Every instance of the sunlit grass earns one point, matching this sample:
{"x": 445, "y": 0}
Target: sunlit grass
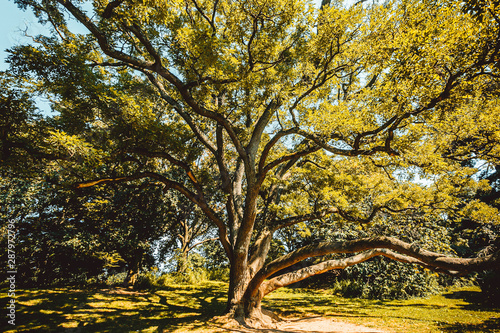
{"x": 457, "y": 310}
{"x": 181, "y": 308}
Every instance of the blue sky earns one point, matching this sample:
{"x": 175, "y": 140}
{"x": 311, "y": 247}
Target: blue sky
{"x": 13, "y": 22}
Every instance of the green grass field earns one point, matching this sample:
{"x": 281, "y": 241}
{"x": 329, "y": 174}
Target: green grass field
{"x": 181, "y": 308}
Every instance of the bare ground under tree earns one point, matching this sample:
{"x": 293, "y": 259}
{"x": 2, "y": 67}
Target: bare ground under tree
{"x": 315, "y": 324}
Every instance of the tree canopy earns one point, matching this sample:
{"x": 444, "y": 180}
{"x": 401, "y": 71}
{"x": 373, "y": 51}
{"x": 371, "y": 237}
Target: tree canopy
{"x": 271, "y": 116}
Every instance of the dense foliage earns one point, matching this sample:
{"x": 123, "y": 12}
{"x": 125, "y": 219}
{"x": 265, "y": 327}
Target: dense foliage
{"x": 274, "y": 121}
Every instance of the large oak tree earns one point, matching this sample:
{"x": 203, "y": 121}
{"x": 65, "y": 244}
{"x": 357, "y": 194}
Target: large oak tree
{"x": 272, "y": 114}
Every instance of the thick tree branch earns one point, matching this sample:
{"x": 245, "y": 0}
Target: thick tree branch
{"x": 261, "y": 248}
{"x": 239, "y": 174}
{"x": 202, "y": 137}
{"x": 174, "y": 161}
{"x": 287, "y": 158}
{"x": 220, "y": 158}
{"x": 154, "y": 66}
{"x": 102, "y": 40}
{"x": 202, "y": 242}
{"x": 253, "y": 145}
{"x": 271, "y": 144}
{"x": 283, "y": 223}
{"x": 432, "y": 259}
{"x": 361, "y": 220}
{"x": 344, "y": 152}
{"x": 301, "y": 274}
{"x": 108, "y": 11}
{"x": 136, "y": 30}
{"x": 265, "y": 236}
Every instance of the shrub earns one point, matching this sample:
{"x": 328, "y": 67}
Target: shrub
{"x": 191, "y": 276}
{"x": 146, "y": 281}
{"x": 150, "y": 280}
{"x": 116, "y": 279}
{"x": 218, "y": 274}
{"x": 385, "y": 279}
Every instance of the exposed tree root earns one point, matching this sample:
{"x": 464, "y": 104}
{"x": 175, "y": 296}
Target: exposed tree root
{"x": 261, "y": 318}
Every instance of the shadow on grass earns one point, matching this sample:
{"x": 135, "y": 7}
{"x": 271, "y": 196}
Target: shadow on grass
{"x": 476, "y": 299}
{"x": 320, "y": 306}
{"x": 49, "y": 310}
{"x": 189, "y": 307}
{"x": 63, "y": 310}
{"x": 490, "y": 325}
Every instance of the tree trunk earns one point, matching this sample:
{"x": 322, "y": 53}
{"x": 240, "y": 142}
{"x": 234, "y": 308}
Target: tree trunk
{"x": 131, "y": 278}
{"x": 238, "y": 282}
{"x": 243, "y": 307}
{"x": 182, "y": 262}
{"x": 247, "y": 310}
{"x": 132, "y": 274}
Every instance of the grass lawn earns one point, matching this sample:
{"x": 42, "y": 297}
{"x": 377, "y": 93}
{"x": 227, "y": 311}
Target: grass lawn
{"x": 181, "y": 308}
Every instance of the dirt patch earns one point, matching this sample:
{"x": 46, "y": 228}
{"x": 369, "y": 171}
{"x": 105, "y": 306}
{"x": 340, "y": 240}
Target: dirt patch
{"x": 308, "y": 325}
{"x": 321, "y": 325}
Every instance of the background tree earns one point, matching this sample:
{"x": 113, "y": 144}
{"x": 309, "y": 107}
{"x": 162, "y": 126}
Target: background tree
{"x": 128, "y": 221}
{"x": 51, "y": 248}
{"x": 272, "y": 114}
{"x": 68, "y": 237}
{"x": 190, "y": 229}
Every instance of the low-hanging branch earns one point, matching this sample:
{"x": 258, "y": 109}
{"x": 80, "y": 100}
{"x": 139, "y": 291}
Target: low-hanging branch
{"x": 301, "y": 274}
{"x": 436, "y": 261}
{"x": 196, "y": 199}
